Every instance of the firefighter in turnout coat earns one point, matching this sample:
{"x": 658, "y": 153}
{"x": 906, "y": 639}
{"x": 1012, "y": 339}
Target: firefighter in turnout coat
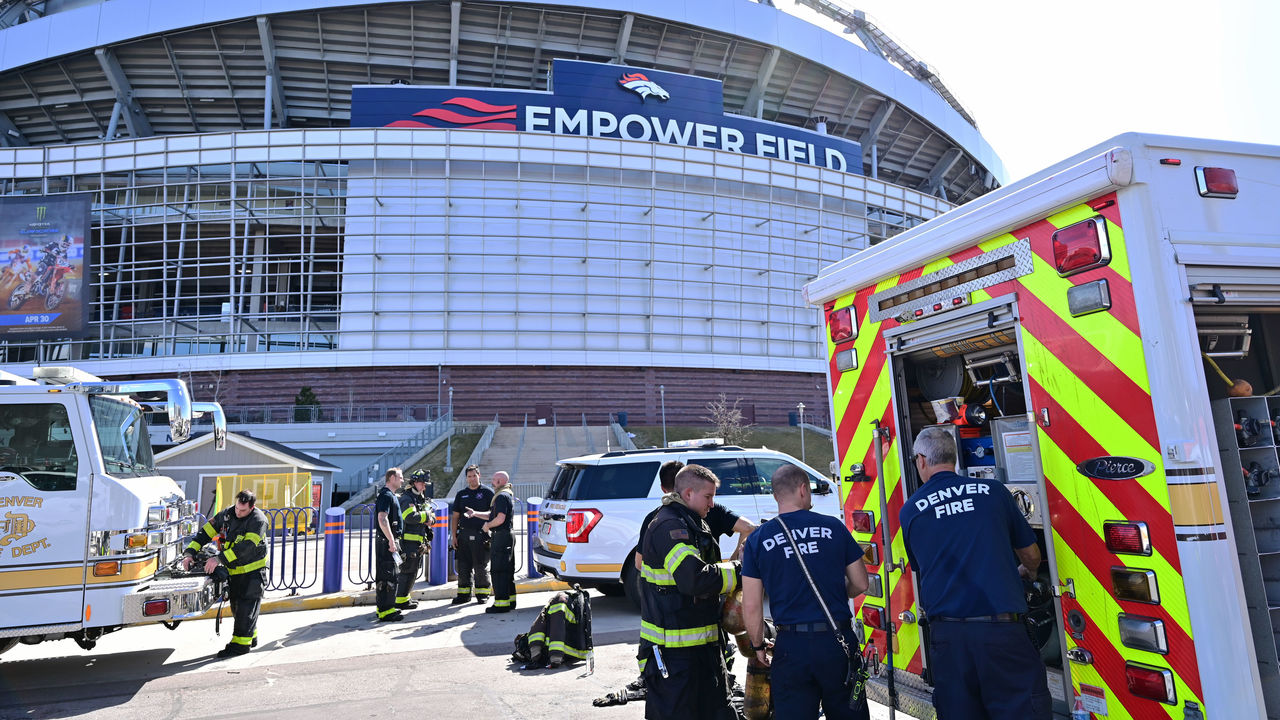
{"x": 682, "y": 580}
{"x": 417, "y": 515}
{"x": 244, "y": 555}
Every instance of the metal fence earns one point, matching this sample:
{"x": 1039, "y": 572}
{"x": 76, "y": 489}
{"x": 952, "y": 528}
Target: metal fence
{"x": 294, "y": 547}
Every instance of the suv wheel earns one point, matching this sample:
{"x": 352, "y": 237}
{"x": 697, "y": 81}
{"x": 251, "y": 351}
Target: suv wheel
{"x": 631, "y": 582}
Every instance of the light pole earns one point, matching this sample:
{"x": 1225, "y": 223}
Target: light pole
{"x": 662, "y": 395}
{"x": 448, "y": 443}
{"x": 800, "y": 407}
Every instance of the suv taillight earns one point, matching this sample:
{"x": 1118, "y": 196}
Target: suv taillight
{"x": 579, "y": 523}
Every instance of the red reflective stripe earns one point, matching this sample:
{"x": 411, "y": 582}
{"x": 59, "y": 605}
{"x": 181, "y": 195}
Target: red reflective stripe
{"x": 1132, "y": 500}
{"x": 1092, "y": 552}
{"x": 1110, "y": 665}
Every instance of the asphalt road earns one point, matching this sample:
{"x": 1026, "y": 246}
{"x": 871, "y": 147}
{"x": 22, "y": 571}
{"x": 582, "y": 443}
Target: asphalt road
{"x": 442, "y": 662}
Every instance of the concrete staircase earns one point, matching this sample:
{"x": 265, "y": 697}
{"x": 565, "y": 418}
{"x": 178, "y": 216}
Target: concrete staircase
{"x": 537, "y": 460}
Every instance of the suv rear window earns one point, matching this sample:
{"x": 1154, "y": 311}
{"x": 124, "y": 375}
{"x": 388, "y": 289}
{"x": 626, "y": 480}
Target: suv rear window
{"x": 603, "y": 482}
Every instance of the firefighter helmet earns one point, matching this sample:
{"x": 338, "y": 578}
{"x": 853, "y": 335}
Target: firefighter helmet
{"x": 420, "y": 476}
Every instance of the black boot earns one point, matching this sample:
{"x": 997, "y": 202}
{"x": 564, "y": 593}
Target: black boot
{"x": 459, "y": 600}
{"x": 233, "y": 649}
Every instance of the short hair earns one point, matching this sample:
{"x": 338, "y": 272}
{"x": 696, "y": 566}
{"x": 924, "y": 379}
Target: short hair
{"x": 247, "y": 497}
{"x": 787, "y": 480}
{"x": 506, "y": 476}
{"x": 691, "y": 476}
{"x": 392, "y": 473}
{"x": 667, "y": 474}
{"x": 472, "y": 467}
{"x": 936, "y": 445}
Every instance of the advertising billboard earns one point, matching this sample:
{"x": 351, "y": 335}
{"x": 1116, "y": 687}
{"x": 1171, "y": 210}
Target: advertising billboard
{"x": 44, "y": 268}
{"x": 603, "y": 100}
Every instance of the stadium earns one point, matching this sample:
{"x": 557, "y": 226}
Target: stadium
{"x": 592, "y": 206}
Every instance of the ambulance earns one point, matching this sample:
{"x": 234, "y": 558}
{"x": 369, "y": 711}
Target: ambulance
{"x": 89, "y": 532}
{"x": 1097, "y": 339}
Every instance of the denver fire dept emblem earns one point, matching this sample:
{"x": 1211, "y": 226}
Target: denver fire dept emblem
{"x": 15, "y": 526}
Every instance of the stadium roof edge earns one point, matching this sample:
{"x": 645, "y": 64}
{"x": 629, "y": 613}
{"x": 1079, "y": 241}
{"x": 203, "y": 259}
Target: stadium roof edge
{"x": 119, "y": 21}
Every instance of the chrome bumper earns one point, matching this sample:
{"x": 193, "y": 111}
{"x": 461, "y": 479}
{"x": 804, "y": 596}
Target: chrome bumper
{"x": 188, "y": 597}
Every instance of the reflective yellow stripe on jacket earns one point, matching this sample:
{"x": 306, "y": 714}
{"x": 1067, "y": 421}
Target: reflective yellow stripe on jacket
{"x": 681, "y": 637}
{"x": 677, "y": 555}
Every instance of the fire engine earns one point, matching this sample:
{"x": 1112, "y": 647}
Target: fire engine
{"x": 1096, "y": 338}
{"x": 89, "y": 532}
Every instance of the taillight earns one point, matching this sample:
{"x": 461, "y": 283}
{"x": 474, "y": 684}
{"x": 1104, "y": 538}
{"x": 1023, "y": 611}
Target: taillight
{"x": 875, "y": 586}
{"x": 1150, "y": 682}
{"x": 1081, "y": 246}
{"x": 874, "y": 617}
{"x": 1135, "y": 584}
{"x": 1216, "y": 182}
{"x": 871, "y": 554}
{"x": 579, "y": 523}
{"x": 840, "y": 325}
{"x": 862, "y": 521}
{"x": 155, "y": 607}
{"x": 1143, "y": 633}
{"x": 1127, "y": 538}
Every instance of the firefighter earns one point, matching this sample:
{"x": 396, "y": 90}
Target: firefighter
{"x": 810, "y": 665}
{"x": 502, "y": 555}
{"x": 681, "y": 584}
{"x": 244, "y": 555}
{"x": 469, "y": 541}
{"x": 386, "y": 546}
{"x": 965, "y": 537}
{"x": 416, "y": 517}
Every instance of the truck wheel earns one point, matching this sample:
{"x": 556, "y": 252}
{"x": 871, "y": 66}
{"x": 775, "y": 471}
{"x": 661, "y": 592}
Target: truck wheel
{"x": 631, "y": 583}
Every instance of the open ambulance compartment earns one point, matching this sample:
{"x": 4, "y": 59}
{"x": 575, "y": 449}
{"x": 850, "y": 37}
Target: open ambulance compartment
{"x": 1238, "y": 328}
{"x": 964, "y": 371}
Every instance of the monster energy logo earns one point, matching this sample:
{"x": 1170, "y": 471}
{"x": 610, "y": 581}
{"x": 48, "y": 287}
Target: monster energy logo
{"x": 41, "y": 210}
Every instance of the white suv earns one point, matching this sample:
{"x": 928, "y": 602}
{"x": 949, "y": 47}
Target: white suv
{"x": 589, "y": 522}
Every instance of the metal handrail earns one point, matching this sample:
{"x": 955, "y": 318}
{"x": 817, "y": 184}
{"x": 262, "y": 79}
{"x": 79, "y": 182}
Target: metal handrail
{"x": 515, "y": 464}
{"x": 405, "y": 450}
{"x": 586, "y": 431}
{"x": 290, "y": 414}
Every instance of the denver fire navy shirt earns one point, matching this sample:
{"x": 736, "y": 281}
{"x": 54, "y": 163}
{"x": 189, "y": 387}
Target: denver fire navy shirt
{"x": 960, "y": 535}
{"x": 828, "y": 549}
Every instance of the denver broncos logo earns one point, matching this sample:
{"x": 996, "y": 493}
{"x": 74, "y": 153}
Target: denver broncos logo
{"x": 643, "y": 86}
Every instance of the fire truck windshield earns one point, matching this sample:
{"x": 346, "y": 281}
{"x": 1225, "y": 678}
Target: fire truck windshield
{"x": 122, "y": 433}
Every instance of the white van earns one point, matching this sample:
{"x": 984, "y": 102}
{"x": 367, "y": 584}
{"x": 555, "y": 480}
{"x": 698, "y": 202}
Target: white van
{"x": 590, "y": 520}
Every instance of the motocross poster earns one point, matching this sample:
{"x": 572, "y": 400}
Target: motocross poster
{"x": 44, "y": 269}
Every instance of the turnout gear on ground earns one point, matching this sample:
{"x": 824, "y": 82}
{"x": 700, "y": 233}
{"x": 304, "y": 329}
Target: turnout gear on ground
{"x": 682, "y": 579}
{"x": 243, "y": 553}
{"x": 561, "y": 633}
{"x": 502, "y": 554}
{"x": 471, "y": 559}
{"x": 417, "y": 515}
{"x": 385, "y": 567}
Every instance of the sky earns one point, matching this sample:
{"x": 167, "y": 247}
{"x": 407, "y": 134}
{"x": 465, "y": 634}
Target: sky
{"x": 1045, "y": 80}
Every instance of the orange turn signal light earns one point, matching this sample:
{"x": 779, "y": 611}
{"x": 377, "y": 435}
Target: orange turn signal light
{"x": 106, "y": 569}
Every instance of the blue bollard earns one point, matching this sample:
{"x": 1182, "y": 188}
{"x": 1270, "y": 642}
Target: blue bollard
{"x": 531, "y": 534}
{"x": 438, "y": 568}
{"x": 335, "y": 528}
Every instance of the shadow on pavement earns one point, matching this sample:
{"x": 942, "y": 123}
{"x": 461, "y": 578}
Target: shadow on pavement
{"x": 34, "y": 688}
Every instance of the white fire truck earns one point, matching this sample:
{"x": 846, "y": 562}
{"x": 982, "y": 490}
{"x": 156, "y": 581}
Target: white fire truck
{"x": 1098, "y": 339}
{"x": 89, "y": 533}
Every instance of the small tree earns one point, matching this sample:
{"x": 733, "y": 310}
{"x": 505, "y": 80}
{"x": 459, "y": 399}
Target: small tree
{"x": 306, "y": 406}
{"x": 728, "y": 421}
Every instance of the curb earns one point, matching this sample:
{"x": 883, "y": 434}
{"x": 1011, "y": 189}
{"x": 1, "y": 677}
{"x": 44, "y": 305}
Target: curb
{"x": 366, "y": 597}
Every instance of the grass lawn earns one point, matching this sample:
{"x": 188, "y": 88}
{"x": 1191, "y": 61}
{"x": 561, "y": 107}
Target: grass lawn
{"x": 818, "y": 450}
{"x": 441, "y": 481}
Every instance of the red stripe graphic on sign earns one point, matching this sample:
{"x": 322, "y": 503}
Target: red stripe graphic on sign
{"x": 477, "y": 105}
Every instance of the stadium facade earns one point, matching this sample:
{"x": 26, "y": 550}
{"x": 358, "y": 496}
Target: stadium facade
{"x": 267, "y": 207}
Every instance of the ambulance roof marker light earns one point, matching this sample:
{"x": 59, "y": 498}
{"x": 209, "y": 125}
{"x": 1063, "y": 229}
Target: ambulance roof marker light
{"x": 840, "y": 325}
{"x": 1170, "y": 161}
{"x": 1214, "y": 182}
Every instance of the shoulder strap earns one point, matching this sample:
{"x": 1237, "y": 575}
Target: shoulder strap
{"x": 786, "y": 532}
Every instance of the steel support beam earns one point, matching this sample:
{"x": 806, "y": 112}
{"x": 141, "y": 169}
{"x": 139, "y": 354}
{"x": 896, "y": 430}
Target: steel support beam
{"x": 624, "y": 39}
{"x": 268, "y": 40}
{"x": 754, "y": 105}
{"x": 455, "y": 25}
{"x": 935, "y": 184}
{"x": 139, "y": 126}
{"x": 871, "y": 135}
{"x": 10, "y": 135}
